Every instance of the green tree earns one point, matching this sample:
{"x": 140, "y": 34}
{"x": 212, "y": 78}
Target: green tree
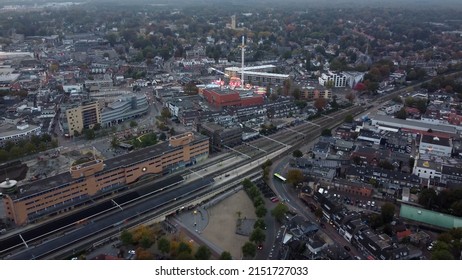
{"x": 29, "y": 148}
{"x": 4, "y": 155}
{"x": 279, "y": 211}
{"x": 165, "y": 113}
{"x": 16, "y": 152}
{"x": 297, "y": 154}
{"x": 326, "y": 132}
{"x": 442, "y": 255}
{"x": 97, "y": 126}
{"x": 247, "y": 184}
{"x": 133, "y": 124}
{"x": 257, "y": 236}
{"x": 163, "y": 245}
{"x": 89, "y": 134}
{"x": 146, "y": 241}
{"x": 249, "y": 250}
{"x": 203, "y": 253}
{"x": 388, "y": 212}
{"x": 261, "y": 211}
{"x": 401, "y": 114}
{"x": 385, "y": 164}
{"x": 126, "y": 237}
{"x": 348, "y": 119}
{"x": 294, "y": 177}
{"x": 184, "y": 247}
{"x": 115, "y": 142}
{"x": 259, "y": 223}
{"x": 225, "y": 255}
{"x": 427, "y": 198}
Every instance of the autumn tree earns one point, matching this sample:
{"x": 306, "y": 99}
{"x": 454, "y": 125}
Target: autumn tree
{"x": 350, "y": 97}
{"x": 295, "y": 176}
{"x": 126, "y": 237}
{"x": 320, "y": 103}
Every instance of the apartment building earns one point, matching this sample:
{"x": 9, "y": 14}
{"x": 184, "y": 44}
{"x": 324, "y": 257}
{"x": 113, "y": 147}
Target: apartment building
{"x": 83, "y": 116}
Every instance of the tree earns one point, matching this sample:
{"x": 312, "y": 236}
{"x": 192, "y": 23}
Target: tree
{"x": 203, "y": 253}
{"x": 257, "y": 236}
{"x": 427, "y": 198}
{"x": 442, "y": 255}
{"x": 184, "y": 247}
{"x": 4, "y": 155}
{"x": 96, "y": 126}
{"x": 259, "y": 223}
{"x": 279, "y": 211}
{"x": 249, "y": 250}
{"x": 163, "y": 245}
{"x": 247, "y": 184}
{"x": 401, "y": 114}
{"x": 388, "y": 212}
{"x": 115, "y": 142}
{"x": 295, "y": 176}
{"x": 348, "y": 119}
{"x": 165, "y": 113}
{"x": 89, "y": 134}
{"x": 133, "y": 124}
{"x": 297, "y": 154}
{"x": 126, "y": 237}
{"x": 318, "y": 213}
{"x": 225, "y": 255}
{"x": 142, "y": 254}
{"x": 385, "y": 164}
{"x": 326, "y": 132}
{"x": 350, "y": 97}
{"x": 261, "y": 211}
{"x": 320, "y": 103}
{"x": 162, "y": 136}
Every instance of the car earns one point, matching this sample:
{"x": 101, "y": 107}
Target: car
{"x": 430, "y": 247}
{"x": 373, "y": 203}
{"x": 368, "y": 203}
{"x": 347, "y": 248}
{"x": 274, "y": 199}
{"x": 358, "y": 257}
{"x": 260, "y": 246}
{"x": 132, "y": 252}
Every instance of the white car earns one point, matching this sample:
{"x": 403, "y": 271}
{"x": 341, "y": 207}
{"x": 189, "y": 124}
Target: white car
{"x": 132, "y": 252}
{"x": 373, "y": 203}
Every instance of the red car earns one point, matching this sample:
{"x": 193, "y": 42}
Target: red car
{"x": 274, "y": 199}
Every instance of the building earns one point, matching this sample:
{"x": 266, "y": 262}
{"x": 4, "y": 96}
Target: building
{"x": 451, "y": 176}
{"x": 427, "y": 169}
{"x": 311, "y": 93}
{"x": 10, "y": 133}
{"x": 227, "y": 98}
{"x": 415, "y": 126}
{"x": 256, "y": 75}
{"x": 436, "y": 146}
{"x": 83, "y": 116}
{"x": 125, "y": 108}
{"x": 8, "y": 77}
{"x": 335, "y": 79}
{"x": 372, "y": 244}
{"x": 369, "y": 136}
{"x": 221, "y": 137}
{"x": 95, "y": 178}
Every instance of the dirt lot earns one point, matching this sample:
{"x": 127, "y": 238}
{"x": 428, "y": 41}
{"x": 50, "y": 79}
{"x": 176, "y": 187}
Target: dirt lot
{"x": 221, "y": 229}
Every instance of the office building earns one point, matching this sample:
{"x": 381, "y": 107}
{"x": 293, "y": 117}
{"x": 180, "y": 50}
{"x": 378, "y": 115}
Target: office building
{"x": 83, "y": 116}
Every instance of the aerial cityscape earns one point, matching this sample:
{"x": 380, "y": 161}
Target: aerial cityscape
{"x": 232, "y": 130}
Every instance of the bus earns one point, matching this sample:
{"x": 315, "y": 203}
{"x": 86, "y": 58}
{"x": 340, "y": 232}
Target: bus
{"x": 280, "y": 177}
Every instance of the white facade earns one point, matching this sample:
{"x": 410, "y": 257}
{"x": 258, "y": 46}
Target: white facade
{"x": 338, "y": 80}
{"x": 436, "y": 147}
{"x": 426, "y": 169}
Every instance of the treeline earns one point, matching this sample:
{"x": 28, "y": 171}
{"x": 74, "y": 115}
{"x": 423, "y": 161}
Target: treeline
{"x": 34, "y": 144}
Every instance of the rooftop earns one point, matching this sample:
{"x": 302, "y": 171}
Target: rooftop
{"x": 441, "y": 141}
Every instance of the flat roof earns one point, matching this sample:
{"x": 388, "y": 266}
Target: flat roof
{"x": 113, "y": 163}
{"x": 386, "y": 120}
{"x": 441, "y": 141}
{"x": 250, "y": 68}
